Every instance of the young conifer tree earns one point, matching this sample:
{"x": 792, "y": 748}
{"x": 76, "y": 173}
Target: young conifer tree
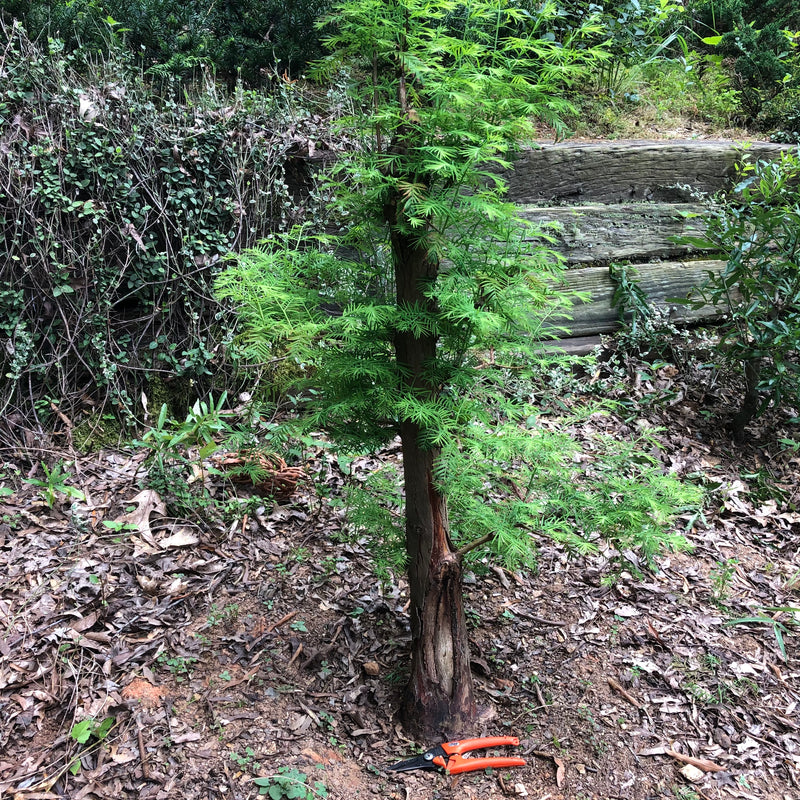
{"x": 444, "y": 91}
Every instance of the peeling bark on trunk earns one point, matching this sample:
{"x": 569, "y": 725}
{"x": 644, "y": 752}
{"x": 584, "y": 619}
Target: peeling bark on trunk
{"x": 439, "y": 699}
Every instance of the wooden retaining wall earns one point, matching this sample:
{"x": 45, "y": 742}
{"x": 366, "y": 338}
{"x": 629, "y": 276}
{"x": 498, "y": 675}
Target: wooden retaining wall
{"x": 611, "y": 202}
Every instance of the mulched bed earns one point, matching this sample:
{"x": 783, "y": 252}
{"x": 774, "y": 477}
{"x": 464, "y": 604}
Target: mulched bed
{"x": 224, "y": 653}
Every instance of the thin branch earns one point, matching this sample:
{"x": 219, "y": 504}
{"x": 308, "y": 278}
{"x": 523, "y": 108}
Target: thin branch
{"x": 474, "y": 544}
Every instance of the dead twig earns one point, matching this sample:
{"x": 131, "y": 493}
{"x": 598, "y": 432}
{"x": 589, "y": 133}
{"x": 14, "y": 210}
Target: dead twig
{"x": 296, "y": 654}
{"x": 623, "y": 692}
{"x": 142, "y": 751}
{"x": 282, "y": 621}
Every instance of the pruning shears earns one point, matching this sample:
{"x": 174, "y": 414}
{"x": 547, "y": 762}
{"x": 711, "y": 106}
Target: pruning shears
{"x": 450, "y": 756}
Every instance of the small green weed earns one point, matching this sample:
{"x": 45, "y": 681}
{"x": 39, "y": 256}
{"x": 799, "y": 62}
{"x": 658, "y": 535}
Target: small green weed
{"x": 246, "y": 761}
{"x": 85, "y": 730}
{"x": 779, "y": 628}
{"x": 226, "y": 615}
{"x": 179, "y": 666}
{"x": 55, "y": 484}
{"x": 119, "y": 527}
{"x": 721, "y": 575}
{"x": 594, "y": 729}
{"x": 300, "y": 554}
{"x": 290, "y": 783}
{"x": 81, "y": 732}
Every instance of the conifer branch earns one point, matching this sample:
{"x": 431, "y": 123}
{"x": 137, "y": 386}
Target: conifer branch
{"x": 474, "y": 545}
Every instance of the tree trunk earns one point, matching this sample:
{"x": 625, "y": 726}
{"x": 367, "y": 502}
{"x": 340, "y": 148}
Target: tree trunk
{"x": 439, "y": 699}
{"x": 750, "y": 402}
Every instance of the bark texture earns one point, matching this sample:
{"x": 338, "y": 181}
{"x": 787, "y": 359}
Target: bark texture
{"x": 439, "y": 700}
{"x": 662, "y": 282}
{"x": 597, "y": 234}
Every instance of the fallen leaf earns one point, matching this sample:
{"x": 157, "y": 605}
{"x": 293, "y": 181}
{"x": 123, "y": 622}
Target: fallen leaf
{"x": 181, "y": 538}
{"x": 560, "y": 771}
{"x": 150, "y": 585}
{"x": 189, "y": 736}
{"x": 692, "y": 773}
{"x": 147, "y": 502}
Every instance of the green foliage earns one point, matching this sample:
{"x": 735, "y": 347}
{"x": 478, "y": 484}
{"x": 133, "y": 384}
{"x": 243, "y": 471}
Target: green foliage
{"x": 758, "y": 41}
{"x": 82, "y": 731}
{"x": 723, "y": 16}
{"x": 543, "y": 483}
{"x": 282, "y": 293}
{"x": 436, "y": 117}
{"x": 373, "y": 509}
{"x": 512, "y": 482}
{"x": 757, "y": 227}
{"x": 55, "y": 484}
{"x": 760, "y": 62}
{"x": 246, "y": 761}
{"x": 118, "y": 208}
{"x": 290, "y": 783}
{"x": 780, "y": 628}
{"x": 646, "y": 328}
{"x": 781, "y": 113}
{"x": 179, "y": 666}
{"x": 639, "y": 32}
{"x": 697, "y": 84}
{"x": 175, "y": 446}
{"x": 721, "y": 575}
{"x": 247, "y": 38}
{"x": 177, "y": 452}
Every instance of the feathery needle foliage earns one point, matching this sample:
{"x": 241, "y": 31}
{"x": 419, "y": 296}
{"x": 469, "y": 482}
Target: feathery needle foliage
{"x": 439, "y": 270}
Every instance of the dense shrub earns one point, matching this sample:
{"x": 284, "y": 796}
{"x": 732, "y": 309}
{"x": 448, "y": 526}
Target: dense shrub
{"x": 754, "y": 43}
{"x": 118, "y": 208}
{"x": 722, "y": 16}
{"x": 757, "y": 228}
{"x": 251, "y": 39}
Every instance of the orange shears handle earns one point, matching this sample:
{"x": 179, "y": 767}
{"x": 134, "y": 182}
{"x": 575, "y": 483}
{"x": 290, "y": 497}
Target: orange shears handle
{"x": 465, "y": 745}
{"x": 457, "y": 763}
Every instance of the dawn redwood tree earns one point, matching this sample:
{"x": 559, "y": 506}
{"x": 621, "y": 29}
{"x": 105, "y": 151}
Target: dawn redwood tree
{"x": 442, "y": 92}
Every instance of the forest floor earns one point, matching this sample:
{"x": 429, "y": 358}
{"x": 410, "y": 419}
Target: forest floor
{"x": 154, "y": 657}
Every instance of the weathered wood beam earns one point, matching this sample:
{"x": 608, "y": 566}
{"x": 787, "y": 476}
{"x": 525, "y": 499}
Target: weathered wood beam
{"x": 602, "y": 233}
{"x": 629, "y": 171}
{"x": 660, "y": 282}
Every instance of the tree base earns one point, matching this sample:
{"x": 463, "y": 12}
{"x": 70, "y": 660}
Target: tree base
{"x": 439, "y": 700}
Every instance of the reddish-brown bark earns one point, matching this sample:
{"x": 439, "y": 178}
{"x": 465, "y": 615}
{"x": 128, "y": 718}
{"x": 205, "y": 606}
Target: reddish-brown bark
{"x": 439, "y": 699}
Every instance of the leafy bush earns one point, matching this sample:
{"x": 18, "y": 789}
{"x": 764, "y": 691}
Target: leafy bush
{"x": 760, "y": 62}
{"x": 781, "y": 113}
{"x": 758, "y": 228}
{"x": 234, "y": 38}
{"x": 755, "y": 40}
{"x": 118, "y": 208}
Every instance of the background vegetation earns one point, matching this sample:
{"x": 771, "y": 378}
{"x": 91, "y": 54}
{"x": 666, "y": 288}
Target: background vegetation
{"x": 145, "y": 139}
{"x": 119, "y": 203}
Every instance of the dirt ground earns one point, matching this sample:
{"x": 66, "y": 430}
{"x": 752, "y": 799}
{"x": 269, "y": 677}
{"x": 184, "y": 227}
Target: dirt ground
{"x": 154, "y": 657}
